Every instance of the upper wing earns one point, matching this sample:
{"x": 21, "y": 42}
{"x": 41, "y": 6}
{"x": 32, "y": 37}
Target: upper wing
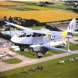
{"x": 25, "y": 29}
{"x": 18, "y": 26}
{"x": 58, "y": 49}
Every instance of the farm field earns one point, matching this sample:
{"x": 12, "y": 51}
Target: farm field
{"x": 42, "y": 16}
{"x": 5, "y": 9}
{"x": 32, "y": 10}
{"x": 34, "y": 7}
{"x": 50, "y": 69}
{"x": 8, "y": 3}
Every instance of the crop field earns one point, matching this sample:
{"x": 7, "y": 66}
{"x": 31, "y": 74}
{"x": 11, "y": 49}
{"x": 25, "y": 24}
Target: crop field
{"x": 51, "y": 69}
{"x": 5, "y": 9}
{"x": 7, "y": 3}
{"x": 43, "y": 16}
{"x": 31, "y": 10}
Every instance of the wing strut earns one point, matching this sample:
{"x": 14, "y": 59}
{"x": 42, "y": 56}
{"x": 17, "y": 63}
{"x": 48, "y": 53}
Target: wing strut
{"x": 68, "y": 44}
{"x": 10, "y": 30}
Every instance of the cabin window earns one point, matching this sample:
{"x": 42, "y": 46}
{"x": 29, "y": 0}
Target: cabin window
{"x": 28, "y": 35}
{"x": 37, "y": 35}
{"x": 23, "y": 35}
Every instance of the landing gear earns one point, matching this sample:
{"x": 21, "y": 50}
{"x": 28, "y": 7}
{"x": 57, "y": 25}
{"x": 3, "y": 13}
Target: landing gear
{"x": 22, "y": 50}
{"x": 39, "y": 54}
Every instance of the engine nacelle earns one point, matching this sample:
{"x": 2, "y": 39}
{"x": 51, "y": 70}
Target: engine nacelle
{"x": 36, "y": 48}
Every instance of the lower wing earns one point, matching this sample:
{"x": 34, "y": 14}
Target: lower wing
{"x": 58, "y": 49}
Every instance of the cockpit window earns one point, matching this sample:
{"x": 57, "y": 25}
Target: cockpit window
{"x": 23, "y": 35}
{"x": 28, "y": 35}
{"x": 37, "y": 35}
{"x": 31, "y": 35}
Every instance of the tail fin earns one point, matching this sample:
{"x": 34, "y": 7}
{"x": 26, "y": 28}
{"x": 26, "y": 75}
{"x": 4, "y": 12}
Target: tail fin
{"x": 72, "y": 26}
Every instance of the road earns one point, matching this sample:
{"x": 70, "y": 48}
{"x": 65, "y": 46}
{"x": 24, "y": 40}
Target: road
{"x": 27, "y": 61}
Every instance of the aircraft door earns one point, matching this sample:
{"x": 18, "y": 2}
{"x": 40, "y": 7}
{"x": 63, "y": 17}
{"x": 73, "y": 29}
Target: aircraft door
{"x": 37, "y": 38}
{"x": 46, "y": 39}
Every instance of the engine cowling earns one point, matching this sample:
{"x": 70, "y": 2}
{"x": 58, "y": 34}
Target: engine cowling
{"x": 39, "y": 50}
{"x": 36, "y": 48}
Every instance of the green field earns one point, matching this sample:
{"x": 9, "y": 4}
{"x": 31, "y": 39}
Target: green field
{"x": 37, "y": 27}
{"x": 73, "y": 47}
{"x": 30, "y": 54}
{"x": 51, "y": 69}
{"x": 13, "y": 61}
{"x": 35, "y": 7}
{"x": 26, "y": 6}
{"x": 60, "y": 6}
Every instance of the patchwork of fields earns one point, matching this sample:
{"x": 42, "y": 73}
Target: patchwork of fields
{"x": 7, "y": 3}
{"x": 31, "y": 11}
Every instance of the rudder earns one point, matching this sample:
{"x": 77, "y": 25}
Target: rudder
{"x": 71, "y": 27}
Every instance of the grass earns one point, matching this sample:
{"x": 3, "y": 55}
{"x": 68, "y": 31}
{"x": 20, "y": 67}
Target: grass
{"x": 25, "y": 6}
{"x": 37, "y": 27}
{"x": 76, "y": 35}
{"x": 73, "y": 47}
{"x": 34, "y": 7}
{"x": 30, "y": 54}
{"x": 21, "y": 6}
{"x": 60, "y": 6}
{"x": 51, "y": 69}
{"x": 12, "y": 61}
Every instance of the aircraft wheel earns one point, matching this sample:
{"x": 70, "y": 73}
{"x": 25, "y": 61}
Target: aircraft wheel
{"x": 22, "y": 50}
{"x": 39, "y": 56}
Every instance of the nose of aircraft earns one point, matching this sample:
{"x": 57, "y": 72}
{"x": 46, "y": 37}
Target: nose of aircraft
{"x": 21, "y": 40}
{"x": 15, "y": 39}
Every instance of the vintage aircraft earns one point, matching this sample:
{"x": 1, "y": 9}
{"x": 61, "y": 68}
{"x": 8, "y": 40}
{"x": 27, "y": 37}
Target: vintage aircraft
{"x": 40, "y": 40}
